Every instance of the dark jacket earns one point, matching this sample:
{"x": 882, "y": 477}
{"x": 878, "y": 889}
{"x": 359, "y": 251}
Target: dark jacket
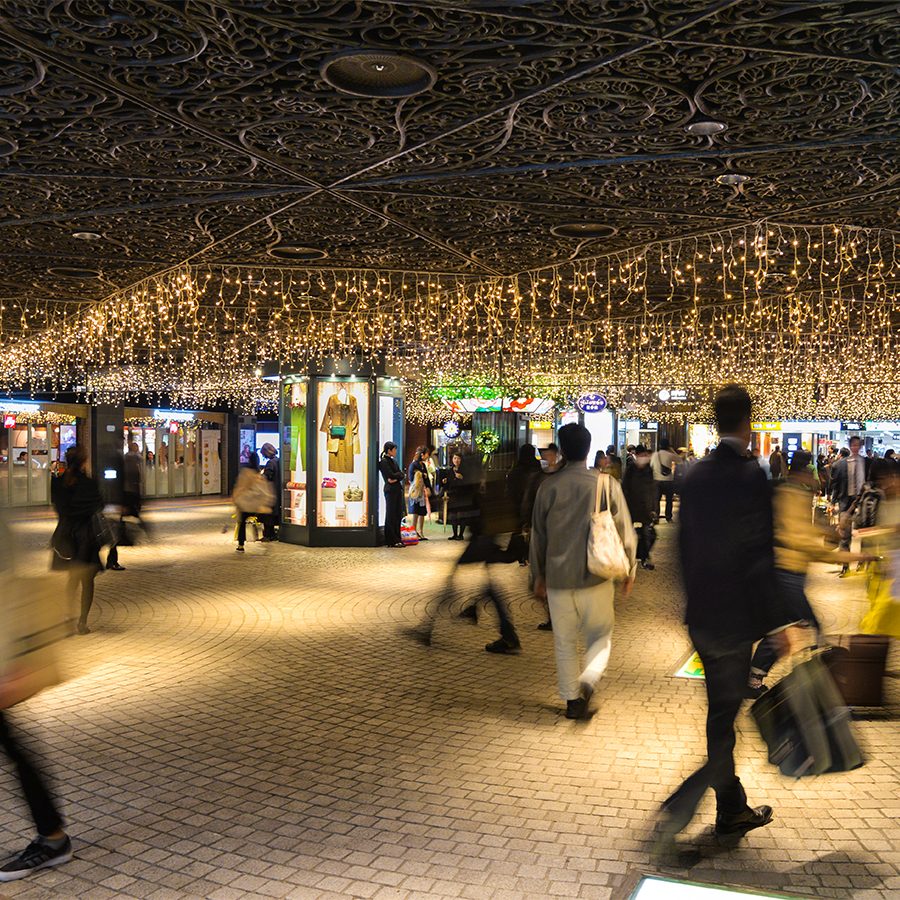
{"x": 640, "y": 493}
{"x": 839, "y": 485}
{"x": 727, "y": 548}
{"x": 74, "y": 540}
{"x": 521, "y": 488}
{"x": 392, "y": 475}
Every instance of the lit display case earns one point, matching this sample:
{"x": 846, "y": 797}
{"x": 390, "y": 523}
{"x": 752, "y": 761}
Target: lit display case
{"x": 332, "y": 428}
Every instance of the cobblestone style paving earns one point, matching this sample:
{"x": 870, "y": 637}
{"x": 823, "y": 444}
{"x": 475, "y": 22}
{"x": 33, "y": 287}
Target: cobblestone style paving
{"x": 258, "y": 726}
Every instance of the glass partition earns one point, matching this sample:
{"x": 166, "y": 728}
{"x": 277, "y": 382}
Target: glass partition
{"x": 294, "y": 453}
{"x": 343, "y": 454}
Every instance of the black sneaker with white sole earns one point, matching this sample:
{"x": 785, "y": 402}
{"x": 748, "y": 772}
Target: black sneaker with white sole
{"x": 39, "y": 854}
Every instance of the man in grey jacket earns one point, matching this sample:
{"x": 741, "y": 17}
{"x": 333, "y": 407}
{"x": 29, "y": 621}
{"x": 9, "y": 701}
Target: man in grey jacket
{"x": 580, "y": 602}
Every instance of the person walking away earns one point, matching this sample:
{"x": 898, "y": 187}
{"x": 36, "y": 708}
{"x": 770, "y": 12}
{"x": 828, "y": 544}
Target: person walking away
{"x": 728, "y": 567}
{"x": 451, "y": 480}
{"x": 599, "y": 461}
{"x": 797, "y": 544}
{"x": 581, "y": 603}
{"x": 777, "y": 464}
{"x": 640, "y": 495}
{"x": 848, "y": 478}
{"x": 76, "y": 542}
{"x": 420, "y": 490}
{"x": 613, "y": 463}
{"x": 663, "y": 464}
{"x": 253, "y": 495}
{"x": 393, "y": 494}
{"x": 519, "y": 489}
{"x": 132, "y": 490}
{"x": 52, "y": 846}
{"x": 272, "y": 474}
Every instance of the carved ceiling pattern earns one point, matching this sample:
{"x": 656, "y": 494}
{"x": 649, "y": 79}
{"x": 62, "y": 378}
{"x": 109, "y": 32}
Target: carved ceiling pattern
{"x": 204, "y": 130}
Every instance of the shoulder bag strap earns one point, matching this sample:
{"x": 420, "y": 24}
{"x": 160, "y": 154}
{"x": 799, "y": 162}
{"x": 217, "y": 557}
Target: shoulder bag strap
{"x": 601, "y": 490}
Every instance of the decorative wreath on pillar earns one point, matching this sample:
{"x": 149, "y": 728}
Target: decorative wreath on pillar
{"x": 487, "y": 442}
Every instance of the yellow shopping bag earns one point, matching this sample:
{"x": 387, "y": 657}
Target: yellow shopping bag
{"x": 883, "y": 616}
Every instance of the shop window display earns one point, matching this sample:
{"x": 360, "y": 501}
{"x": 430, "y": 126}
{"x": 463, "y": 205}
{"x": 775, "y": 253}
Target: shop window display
{"x": 343, "y": 453}
{"x": 293, "y": 453}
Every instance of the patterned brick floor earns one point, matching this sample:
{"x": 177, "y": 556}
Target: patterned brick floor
{"x": 257, "y": 726}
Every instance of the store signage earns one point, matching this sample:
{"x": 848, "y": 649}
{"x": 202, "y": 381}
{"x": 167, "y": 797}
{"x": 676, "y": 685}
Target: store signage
{"x": 676, "y": 395}
{"x": 9, "y": 421}
{"x": 591, "y": 403}
{"x": 19, "y": 406}
{"x": 498, "y": 404}
{"x": 173, "y": 415}
{"x": 451, "y": 428}
{"x": 882, "y": 426}
{"x": 792, "y": 445}
{"x": 853, "y": 426}
{"x": 173, "y": 428}
{"x": 765, "y": 426}
{"x": 649, "y": 426}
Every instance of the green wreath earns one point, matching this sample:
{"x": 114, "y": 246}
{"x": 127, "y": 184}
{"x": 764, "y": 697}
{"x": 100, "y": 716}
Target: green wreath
{"x": 487, "y": 442}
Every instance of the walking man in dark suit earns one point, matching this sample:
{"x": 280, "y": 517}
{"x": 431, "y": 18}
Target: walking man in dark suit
{"x": 727, "y": 558}
{"x": 848, "y": 475}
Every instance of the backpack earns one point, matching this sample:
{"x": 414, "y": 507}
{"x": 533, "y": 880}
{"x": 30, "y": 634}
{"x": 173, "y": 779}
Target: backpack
{"x": 866, "y": 507}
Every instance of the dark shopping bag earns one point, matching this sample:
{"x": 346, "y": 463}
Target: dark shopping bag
{"x": 857, "y": 663}
{"x": 805, "y": 723}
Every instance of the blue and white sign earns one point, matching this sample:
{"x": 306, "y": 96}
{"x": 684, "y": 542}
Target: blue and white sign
{"x": 451, "y": 428}
{"x": 591, "y": 403}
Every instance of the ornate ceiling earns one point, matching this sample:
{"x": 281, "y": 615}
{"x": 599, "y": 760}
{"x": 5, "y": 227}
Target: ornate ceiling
{"x": 203, "y": 130}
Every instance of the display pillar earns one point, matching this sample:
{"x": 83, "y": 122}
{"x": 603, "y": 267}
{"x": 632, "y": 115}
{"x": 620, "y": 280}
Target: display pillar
{"x": 331, "y": 430}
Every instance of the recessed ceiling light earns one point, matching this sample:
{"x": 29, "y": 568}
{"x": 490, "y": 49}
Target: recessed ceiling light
{"x": 76, "y": 272}
{"x": 377, "y": 73}
{"x": 734, "y": 179}
{"x": 87, "y": 235}
{"x": 582, "y": 230}
{"x": 296, "y": 252}
{"x": 704, "y": 126}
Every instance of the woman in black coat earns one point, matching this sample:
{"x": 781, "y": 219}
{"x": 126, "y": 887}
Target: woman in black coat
{"x": 521, "y": 489}
{"x": 393, "y": 494}
{"x": 76, "y": 545}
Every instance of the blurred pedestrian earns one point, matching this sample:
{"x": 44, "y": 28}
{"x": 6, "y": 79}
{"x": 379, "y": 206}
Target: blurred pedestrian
{"x": 393, "y": 494}
{"x": 253, "y": 495}
{"x": 550, "y": 459}
{"x": 640, "y": 494}
{"x": 51, "y": 846}
{"x": 132, "y": 489}
{"x": 521, "y": 491}
{"x": 778, "y": 466}
{"x": 451, "y": 481}
{"x": 663, "y": 463}
{"x": 599, "y": 461}
{"x": 848, "y": 478}
{"x": 797, "y": 544}
{"x": 78, "y": 537}
{"x": 272, "y": 474}
{"x": 728, "y": 565}
{"x": 581, "y": 603}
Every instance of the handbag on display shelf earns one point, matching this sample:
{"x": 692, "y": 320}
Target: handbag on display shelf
{"x": 329, "y": 489}
{"x": 606, "y": 556}
{"x": 354, "y": 493}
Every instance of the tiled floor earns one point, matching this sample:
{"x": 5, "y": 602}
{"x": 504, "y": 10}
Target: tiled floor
{"x": 256, "y": 726}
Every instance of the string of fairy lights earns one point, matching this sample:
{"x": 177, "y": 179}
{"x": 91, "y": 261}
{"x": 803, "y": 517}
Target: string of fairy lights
{"x": 806, "y": 315}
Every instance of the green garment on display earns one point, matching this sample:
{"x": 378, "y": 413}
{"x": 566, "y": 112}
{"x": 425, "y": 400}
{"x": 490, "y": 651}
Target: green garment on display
{"x": 298, "y": 437}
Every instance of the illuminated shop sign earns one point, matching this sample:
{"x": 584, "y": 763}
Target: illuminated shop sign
{"x": 882, "y": 426}
{"x": 173, "y": 415}
{"x": 673, "y": 395}
{"x": 498, "y": 404}
{"x": 451, "y": 428}
{"x": 765, "y": 426}
{"x": 853, "y": 426}
{"x": 591, "y": 403}
{"x": 19, "y": 406}
{"x": 9, "y": 421}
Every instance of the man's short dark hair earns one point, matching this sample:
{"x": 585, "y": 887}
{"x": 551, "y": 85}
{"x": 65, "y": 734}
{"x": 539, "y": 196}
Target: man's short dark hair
{"x": 733, "y": 408}
{"x": 844, "y": 452}
{"x": 574, "y": 442}
{"x": 854, "y": 437}
{"x": 554, "y": 447}
{"x": 664, "y": 444}
{"x": 800, "y": 460}
{"x": 641, "y": 450}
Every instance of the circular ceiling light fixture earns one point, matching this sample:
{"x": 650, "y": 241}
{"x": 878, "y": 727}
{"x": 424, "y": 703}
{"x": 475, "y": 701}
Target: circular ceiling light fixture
{"x": 296, "y": 252}
{"x": 704, "y": 126}
{"x": 733, "y": 179}
{"x": 87, "y": 235}
{"x": 377, "y": 73}
{"x": 582, "y": 230}
{"x": 76, "y": 272}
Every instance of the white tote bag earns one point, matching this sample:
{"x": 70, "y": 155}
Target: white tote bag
{"x": 606, "y": 556}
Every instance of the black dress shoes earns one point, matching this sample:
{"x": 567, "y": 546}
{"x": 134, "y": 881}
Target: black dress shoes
{"x": 744, "y": 821}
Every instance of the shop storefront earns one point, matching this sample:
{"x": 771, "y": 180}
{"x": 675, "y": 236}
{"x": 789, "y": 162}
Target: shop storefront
{"x": 789, "y": 436}
{"x": 332, "y": 429}
{"x": 33, "y": 444}
{"x": 181, "y": 450}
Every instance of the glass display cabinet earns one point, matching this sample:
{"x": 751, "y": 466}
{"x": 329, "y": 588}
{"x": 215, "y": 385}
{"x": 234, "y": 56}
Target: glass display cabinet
{"x": 332, "y": 429}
